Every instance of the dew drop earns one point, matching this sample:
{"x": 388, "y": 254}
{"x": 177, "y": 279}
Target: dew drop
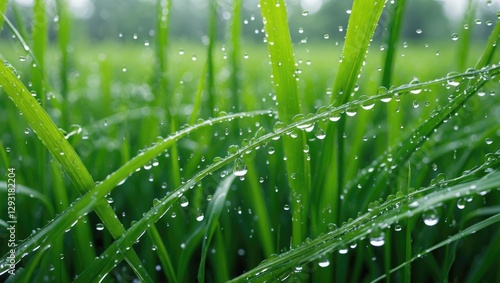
{"x": 431, "y": 217}
{"x": 240, "y": 168}
{"x": 377, "y": 239}
{"x": 488, "y": 141}
{"x": 334, "y": 117}
{"x": 320, "y": 134}
{"x": 99, "y": 226}
{"x": 324, "y": 262}
{"x": 199, "y": 215}
{"x": 454, "y": 37}
{"x": 271, "y": 150}
{"x": 351, "y": 112}
{"x": 184, "y": 201}
{"x": 305, "y": 13}
{"x": 461, "y": 203}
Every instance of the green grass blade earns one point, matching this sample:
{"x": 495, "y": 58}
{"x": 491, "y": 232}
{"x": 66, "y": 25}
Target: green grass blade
{"x": 235, "y": 55}
{"x": 362, "y": 23}
{"x": 163, "y": 255}
{"x": 212, "y": 34}
{"x": 465, "y": 37}
{"x": 359, "y": 33}
{"x": 64, "y": 33}
{"x": 213, "y": 212}
{"x": 285, "y": 85}
{"x": 3, "y": 8}
{"x": 491, "y": 46}
{"x": 199, "y": 96}
{"x": 393, "y": 117}
{"x": 62, "y": 151}
{"x": 163, "y": 8}
{"x": 39, "y": 37}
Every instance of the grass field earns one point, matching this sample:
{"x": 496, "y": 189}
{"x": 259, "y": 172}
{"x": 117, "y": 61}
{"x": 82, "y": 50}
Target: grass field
{"x": 162, "y": 160}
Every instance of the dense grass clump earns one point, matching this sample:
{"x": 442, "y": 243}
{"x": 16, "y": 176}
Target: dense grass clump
{"x": 369, "y": 159}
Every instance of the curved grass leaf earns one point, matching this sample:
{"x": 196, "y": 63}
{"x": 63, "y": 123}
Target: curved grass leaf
{"x": 213, "y": 212}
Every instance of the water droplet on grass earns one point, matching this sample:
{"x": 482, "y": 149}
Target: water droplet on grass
{"x": 454, "y": 37}
{"x": 99, "y": 226}
{"x": 377, "y": 238}
{"x": 324, "y": 262}
{"x": 431, "y": 217}
{"x": 305, "y": 13}
{"x": 271, "y": 150}
{"x": 240, "y": 168}
{"x": 320, "y": 134}
{"x": 461, "y": 203}
{"x": 184, "y": 201}
{"x": 199, "y": 215}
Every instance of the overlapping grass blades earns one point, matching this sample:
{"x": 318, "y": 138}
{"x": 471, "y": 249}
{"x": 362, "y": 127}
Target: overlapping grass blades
{"x": 63, "y": 152}
{"x": 91, "y": 199}
{"x": 308, "y": 218}
{"x": 285, "y": 85}
{"x": 390, "y": 212}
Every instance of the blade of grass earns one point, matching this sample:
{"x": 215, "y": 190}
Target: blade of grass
{"x": 163, "y": 255}
{"x": 39, "y": 37}
{"x": 394, "y": 118}
{"x": 62, "y": 151}
{"x": 465, "y": 37}
{"x": 490, "y": 48}
{"x": 285, "y": 85}
{"x": 212, "y": 35}
{"x": 64, "y": 33}
{"x": 213, "y": 212}
{"x": 235, "y": 54}
{"x": 3, "y": 8}
{"x": 81, "y": 233}
{"x": 359, "y": 33}
{"x": 395, "y": 20}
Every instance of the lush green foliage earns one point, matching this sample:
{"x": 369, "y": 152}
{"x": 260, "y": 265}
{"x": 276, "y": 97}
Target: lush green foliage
{"x": 290, "y": 165}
